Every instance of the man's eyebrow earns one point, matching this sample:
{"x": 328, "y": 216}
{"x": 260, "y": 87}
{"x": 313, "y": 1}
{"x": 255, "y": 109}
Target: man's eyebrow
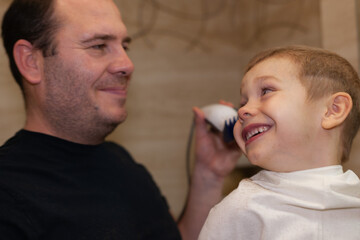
{"x": 104, "y": 37}
{"x": 127, "y": 40}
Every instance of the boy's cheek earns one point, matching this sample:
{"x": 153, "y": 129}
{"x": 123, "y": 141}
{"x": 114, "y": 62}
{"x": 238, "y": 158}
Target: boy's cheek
{"x": 237, "y": 135}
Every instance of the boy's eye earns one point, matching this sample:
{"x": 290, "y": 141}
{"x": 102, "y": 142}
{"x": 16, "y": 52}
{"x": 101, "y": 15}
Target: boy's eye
{"x": 265, "y": 91}
{"x": 242, "y": 104}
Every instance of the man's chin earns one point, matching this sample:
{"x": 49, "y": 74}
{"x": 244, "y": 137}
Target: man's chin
{"x": 111, "y": 119}
{"x": 112, "y": 124}
{"x": 119, "y": 118}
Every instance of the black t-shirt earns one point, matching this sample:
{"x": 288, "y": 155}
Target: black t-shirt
{"x": 54, "y": 189}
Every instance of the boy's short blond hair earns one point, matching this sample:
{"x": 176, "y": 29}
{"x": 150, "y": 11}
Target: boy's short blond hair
{"x": 322, "y": 73}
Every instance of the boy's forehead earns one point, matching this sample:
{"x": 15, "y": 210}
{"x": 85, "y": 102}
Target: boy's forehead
{"x": 275, "y": 64}
{"x": 276, "y": 68}
{"x": 272, "y": 66}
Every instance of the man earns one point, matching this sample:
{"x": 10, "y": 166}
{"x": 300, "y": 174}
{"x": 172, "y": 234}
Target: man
{"x": 59, "y": 178}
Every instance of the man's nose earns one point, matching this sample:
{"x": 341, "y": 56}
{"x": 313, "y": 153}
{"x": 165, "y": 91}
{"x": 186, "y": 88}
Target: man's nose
{"x": 121, "y": 64}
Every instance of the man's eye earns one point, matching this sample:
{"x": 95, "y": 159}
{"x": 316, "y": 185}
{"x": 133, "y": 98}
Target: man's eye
{"x": 98, "y": 46}
{"x": 126, "y": 48}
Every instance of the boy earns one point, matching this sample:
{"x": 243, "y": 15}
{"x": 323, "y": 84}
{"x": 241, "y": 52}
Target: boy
{"x": 299, "y": 114}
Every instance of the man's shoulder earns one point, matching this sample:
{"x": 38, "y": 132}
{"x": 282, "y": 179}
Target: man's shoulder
{"x": 116, "y": 149}
{"x": 113, "y": 146}
{"x": 10, "y": 147}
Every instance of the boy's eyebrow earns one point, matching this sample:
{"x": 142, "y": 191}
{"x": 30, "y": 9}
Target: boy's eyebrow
{"x": 104, "y": 37}
{"x": 266, "y": 77}
{"x": 261, "y": 79}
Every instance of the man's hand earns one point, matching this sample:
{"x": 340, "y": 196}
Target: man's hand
{"x": 212, "y": 153}
{"x": 214, "y": 161}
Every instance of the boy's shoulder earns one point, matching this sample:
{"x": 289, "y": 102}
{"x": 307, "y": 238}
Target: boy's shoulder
{"x": 233, "y": 216}
{"x": 239, "y": 200}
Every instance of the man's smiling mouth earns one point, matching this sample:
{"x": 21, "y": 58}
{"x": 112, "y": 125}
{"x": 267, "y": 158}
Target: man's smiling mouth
{"x": 252, "y": 131}
{"x": 115, "y": 90}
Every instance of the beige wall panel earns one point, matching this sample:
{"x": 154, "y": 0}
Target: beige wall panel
{"x": 185, "y": 57}
{"x": 340, "y": 34}
{"x": 11, "y": 103}
{"x": 339, "y": 28}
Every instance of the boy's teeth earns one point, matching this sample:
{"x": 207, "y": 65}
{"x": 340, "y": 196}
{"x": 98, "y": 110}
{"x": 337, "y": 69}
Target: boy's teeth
{"x": 256, "y": 131}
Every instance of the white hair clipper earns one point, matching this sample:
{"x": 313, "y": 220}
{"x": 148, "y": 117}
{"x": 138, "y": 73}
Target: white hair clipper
{"x": 222, "y": 118}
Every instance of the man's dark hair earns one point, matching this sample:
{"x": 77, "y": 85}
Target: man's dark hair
{"x": 31, "y": 20}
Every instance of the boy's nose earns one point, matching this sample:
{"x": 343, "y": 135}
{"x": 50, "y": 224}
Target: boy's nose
{"x": 245, "y": 113}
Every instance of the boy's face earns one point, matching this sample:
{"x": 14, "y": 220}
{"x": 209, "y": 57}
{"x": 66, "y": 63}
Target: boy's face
{"x": 278, "y": 126}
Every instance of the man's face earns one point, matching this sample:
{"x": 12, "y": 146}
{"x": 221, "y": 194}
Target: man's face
{"x": 86, "y": 81}
{"x": 278, "y": 124}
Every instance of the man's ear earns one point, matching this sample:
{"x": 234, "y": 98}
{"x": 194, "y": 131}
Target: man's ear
{"x": 29, "y": 61}
{"x": 338, "y": 108}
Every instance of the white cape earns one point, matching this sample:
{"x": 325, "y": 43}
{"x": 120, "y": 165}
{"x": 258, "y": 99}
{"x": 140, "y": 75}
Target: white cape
{"x": 322, "y": 203}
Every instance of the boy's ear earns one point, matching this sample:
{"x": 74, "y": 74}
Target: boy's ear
{"x": 338, "y": 108}
{"x": 28, "y": 60}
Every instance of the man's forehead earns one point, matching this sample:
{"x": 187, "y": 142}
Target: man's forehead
{"x": 87, "y": 7}
{"x": 95, "y": 17}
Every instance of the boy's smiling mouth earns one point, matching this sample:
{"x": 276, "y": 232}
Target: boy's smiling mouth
{"x": 253, "y": 131}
